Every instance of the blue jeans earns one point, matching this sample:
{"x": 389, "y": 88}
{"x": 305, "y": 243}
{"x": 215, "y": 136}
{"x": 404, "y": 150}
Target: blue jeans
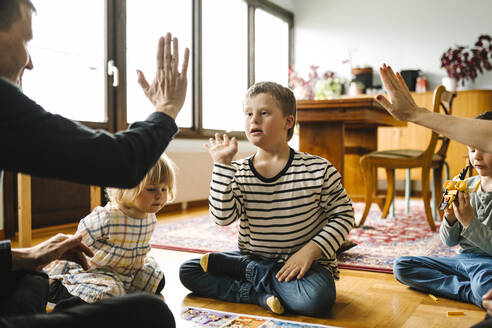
{"x": 313, "y": 295}
{"x": 464, "y": 277}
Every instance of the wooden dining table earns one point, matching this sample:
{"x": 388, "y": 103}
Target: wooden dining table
{"x": 342, "y": 130}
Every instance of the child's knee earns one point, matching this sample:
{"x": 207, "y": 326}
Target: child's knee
{"x": 481, "y": 283}
{"x": 189, "y": 271}
{"x": 401, "y": 265}
{"x": 318, "y": 304}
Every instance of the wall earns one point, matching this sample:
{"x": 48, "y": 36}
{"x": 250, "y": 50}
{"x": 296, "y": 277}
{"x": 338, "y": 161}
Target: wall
{"x": 195, "y": 167}
{"x": 405, "y": 34}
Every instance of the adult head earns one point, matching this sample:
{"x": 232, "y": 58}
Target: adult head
{"x": 15, "y": 34}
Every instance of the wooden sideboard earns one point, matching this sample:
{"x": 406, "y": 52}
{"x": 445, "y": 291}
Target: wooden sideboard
{"x": 341, "y": 130}
{"x": 468, "y": 103}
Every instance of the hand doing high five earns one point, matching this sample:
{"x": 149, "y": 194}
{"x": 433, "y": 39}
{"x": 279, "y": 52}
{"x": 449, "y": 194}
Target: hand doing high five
{"x": 222, "y": 149}
{"x": 168, "y": 90}
{"x": 401, "y": 104}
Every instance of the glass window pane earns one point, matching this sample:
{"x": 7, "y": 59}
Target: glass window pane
{"x": 147, "y": 20}
{"x": 224, "y": 63}
{"x": 271, "y": 48}
{"x": 68, "y": 56}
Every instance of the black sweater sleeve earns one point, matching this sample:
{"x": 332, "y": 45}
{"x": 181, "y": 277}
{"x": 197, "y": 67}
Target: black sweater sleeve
{"x": 37, "y": 142}
{"x": 5, "y": 258}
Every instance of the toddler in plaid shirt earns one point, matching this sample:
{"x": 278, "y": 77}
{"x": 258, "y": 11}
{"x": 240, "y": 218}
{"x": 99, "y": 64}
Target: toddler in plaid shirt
{"x": 119, "y": 235}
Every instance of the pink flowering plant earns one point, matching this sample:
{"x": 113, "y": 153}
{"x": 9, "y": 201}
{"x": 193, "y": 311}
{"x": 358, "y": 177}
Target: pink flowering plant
{"x": 465, "y": 63}
{"x": 315, "y": 86}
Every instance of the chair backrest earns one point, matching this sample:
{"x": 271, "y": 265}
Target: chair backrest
{"x": 442, "y": 99}
{"x": 447, "y": 107}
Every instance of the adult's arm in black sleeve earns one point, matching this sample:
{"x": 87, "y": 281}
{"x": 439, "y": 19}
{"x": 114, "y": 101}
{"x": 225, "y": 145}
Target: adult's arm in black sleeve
{"x": 5, "y": 258}
{"x": 37, "y": 142}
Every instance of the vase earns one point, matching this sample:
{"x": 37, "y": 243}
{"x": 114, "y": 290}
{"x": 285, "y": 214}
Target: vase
{"x": 449, "y": 83}
{"x": 468, "y": 84}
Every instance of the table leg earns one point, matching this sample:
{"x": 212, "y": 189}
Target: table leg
{"x": 24, "y": 209}
{"x": 358, "y": 141}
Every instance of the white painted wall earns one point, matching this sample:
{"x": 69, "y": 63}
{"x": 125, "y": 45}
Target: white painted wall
{"x": 195, "y": 167}
{"x": 406, "y": 34}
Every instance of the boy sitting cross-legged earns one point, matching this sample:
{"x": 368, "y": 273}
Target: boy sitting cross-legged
{"x": 466, "y": 276}
{"x": 294, "y": 215}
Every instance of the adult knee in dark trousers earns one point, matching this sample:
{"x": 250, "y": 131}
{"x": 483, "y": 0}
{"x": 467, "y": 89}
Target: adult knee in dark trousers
{"x": 23, "y": 292}
{"x": 134, "y": 310}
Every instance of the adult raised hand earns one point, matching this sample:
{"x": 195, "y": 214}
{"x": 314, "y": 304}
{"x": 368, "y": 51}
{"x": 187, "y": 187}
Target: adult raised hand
{"x": 58, "y": 247}
{"x": 168, "y": 90}
{"x": 400, "y": 104}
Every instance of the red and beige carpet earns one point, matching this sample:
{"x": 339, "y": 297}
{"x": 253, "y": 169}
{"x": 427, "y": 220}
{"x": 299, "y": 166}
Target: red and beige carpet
{"x": 380, "y": 241}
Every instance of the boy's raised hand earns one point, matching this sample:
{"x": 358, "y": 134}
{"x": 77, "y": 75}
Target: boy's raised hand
{"x": 222, "y": 149}
{"x": 462, "y": 208}
{"x": 299, "y": 263}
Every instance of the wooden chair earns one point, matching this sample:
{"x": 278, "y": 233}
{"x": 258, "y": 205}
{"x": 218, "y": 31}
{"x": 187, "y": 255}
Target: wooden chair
{"x": 409, "y": 158}
{"x": 24, "y": 207}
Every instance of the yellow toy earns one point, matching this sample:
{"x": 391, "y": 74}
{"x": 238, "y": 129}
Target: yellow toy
{"x": 452, "y": 187}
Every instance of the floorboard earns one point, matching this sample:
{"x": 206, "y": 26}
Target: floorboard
{"x": 364, "y": 299}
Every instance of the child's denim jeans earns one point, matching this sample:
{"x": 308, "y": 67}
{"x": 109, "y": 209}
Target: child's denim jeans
{"x": 464, "y": 277}
{"x": 313, "y": 295}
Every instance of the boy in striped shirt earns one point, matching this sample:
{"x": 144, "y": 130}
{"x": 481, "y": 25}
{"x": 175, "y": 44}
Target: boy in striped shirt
{"x": 294, "y": 214}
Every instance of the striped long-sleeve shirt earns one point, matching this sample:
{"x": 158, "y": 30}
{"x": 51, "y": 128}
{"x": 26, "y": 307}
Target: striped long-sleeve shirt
{"x": 304, "y": 202}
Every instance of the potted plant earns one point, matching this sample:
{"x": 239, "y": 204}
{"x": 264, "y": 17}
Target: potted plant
{"x": 463, "y": 63}
{"x": 315, "y": 87}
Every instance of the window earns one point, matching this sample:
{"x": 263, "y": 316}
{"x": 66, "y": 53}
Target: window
{"x": 224, "y": 64}
{"x": 271, "y": 48}
{"x": 68, "y": 57}
{"x": 233, "y": 43}
{"x": 146, "y": 22}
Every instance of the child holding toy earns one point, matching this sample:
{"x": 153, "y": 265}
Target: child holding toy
{"x": 118, "y": 235}
{"x": 468, "y": 275}
{"x": 294, "y": 214}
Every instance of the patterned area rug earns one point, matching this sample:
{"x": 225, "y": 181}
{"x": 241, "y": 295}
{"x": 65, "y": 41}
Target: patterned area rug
{"x": 380, "y": 241}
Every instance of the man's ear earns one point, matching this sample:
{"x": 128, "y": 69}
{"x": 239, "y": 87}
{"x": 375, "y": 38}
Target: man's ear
{"x": 289, "y": 121}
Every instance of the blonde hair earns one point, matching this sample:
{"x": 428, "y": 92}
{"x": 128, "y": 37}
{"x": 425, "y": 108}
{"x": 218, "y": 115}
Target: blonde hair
{"x": 163, "y": 171}
{"x": 282, "y": 95}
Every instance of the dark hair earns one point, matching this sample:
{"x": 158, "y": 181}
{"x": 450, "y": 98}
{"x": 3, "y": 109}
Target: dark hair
{"x": 485, "y": 116}
{"x": 282, "y": 95}
{"x": 10, "y": 11}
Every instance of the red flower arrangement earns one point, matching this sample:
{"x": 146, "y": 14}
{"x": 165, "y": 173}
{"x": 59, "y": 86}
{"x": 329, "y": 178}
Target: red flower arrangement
{"x": 465, "y": 63}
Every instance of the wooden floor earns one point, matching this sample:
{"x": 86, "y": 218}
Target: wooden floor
{"x": 364, "y": 299}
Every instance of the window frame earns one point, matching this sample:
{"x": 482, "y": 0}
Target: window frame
{"x": 116, "y": 106}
